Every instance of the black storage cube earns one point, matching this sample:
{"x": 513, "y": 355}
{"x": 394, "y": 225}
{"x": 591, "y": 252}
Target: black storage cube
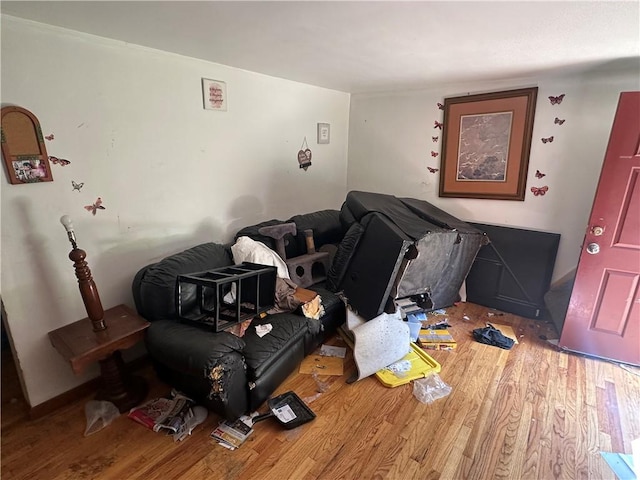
{"x": 249, "y": 288}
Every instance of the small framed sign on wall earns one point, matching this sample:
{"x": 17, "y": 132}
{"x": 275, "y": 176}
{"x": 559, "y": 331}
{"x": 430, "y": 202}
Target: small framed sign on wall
{"x": 324, "y": 133}
{"x": 214, "y": 95}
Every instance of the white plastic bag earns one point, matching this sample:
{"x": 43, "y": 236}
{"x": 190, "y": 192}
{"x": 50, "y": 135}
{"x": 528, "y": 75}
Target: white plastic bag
{"x": 99, "y": 414}
{"x": 430, "y": 388}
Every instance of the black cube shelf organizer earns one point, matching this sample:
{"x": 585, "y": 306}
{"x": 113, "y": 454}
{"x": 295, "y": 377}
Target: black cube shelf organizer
{"x": 200, "y": 296}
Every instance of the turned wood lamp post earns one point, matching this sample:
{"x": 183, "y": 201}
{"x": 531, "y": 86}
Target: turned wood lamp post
{"x": 87, "y": 286}
{"x": 101, "y": 336}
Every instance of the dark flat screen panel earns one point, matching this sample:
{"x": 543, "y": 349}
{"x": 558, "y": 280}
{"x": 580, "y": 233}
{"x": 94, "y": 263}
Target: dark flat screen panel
{"x": 514, "y": 271}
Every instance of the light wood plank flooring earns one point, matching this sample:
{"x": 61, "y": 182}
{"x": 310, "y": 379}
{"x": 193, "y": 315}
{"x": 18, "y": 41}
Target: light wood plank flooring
{"x": 529, "y": 413}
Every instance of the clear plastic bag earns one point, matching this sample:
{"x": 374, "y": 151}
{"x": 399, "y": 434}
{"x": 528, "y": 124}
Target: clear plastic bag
{"x": 99, "y": 414}
{"x": 430, "y": 388}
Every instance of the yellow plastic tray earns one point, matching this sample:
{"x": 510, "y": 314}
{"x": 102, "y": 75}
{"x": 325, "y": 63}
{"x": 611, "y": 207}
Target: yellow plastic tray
{"x": 422, "y": 365}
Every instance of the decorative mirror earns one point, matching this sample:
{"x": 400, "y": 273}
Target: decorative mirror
{"x": 23, "y": 149}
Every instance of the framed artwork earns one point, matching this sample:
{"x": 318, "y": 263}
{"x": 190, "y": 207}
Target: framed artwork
{"x": 214, "y": 95}
{"x": 486, "y": 144}
{"x": 25, "y": 155}
{"x": 324, "y": 133}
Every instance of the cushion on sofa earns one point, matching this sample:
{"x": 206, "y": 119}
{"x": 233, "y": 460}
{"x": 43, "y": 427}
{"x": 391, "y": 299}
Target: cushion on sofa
{"x": 326, "y": 227}
{"x": 189, "y": 349}
{"x": 343, "y": 255}
{"x": 260, "y": 352}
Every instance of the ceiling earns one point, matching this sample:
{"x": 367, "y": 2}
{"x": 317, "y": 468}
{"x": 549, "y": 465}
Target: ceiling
{"x": 366, "y": 46}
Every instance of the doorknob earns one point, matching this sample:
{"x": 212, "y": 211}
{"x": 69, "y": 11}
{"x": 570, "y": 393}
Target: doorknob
{"x": 593, "y": 248}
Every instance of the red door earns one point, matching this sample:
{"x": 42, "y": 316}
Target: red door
{"x": 603, "y": 318}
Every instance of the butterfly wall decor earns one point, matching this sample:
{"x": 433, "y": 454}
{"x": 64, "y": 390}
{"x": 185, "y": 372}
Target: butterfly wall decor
{"x": 95, "y": 207}
{"x": 557, "y": 121}
{"x": 556, "y": 100}
{"x": 539, "y": 191}
{"x": 440, "y": 106}
{"x": 434, "y": 154}
{"x": 76, "y": 186}
{"x": 539, "y": 174}
{"x": 547, "y": 140}
{"x": 437, "y": 124}
{"x": 434, "y": 139}
{"x": 432, "y": 170}
{"x": 49, "y": 137}
{"x": 59, "y": 161}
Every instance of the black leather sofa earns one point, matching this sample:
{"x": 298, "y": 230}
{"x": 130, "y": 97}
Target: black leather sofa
{"x": 233, "y": 375}
{"x": 383, "y": 248}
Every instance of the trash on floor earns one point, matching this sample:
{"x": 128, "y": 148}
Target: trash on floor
{"x": 436, "y": 340}
{"x": 422, "y": 365}
{"x": 430, "y": 389}
{"x": 232, "y": 434}
{"x": 437, "y": 326}
{"x": 323, "y": 365}
{"x": 507, "y": 331}
{"x": 332, "y": 351}
{"x": 99, "y": 414}
{"x": 173, "y": 414}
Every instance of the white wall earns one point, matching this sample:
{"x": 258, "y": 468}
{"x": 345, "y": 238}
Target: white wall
{"x": 170, "y": 173}
{"x": 390, "y": 148}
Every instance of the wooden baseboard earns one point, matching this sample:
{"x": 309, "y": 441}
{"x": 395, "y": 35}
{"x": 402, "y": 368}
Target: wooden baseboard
{"x": 84, "y": 390}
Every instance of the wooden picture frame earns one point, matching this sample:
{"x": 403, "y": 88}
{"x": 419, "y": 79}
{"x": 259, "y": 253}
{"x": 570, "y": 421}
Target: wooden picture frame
{"x": 23, "y": 150}
{"x": 486, "y": 144}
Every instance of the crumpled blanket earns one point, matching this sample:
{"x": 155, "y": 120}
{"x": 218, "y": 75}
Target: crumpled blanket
{"x": 247, "y": 249}
{"x": 285, "y": 300}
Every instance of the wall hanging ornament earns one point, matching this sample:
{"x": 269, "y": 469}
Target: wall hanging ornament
{"x": 556, "y": 100}
{"x": 76, "y": 186}
{"x": 59, "y": 161}
{"x": 95, "y": 207}
{"x": 304, "y": 155}
{"x": 538, "y": 191}
{"x": 557, "y": 121}
{"x": 23, "y": 149}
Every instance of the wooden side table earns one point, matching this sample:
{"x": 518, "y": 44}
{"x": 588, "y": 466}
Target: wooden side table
{"x": 81, "y": 346}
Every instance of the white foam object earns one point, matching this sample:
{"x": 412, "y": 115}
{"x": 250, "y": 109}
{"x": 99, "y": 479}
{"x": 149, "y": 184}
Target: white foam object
{"x": 378, "y": 342}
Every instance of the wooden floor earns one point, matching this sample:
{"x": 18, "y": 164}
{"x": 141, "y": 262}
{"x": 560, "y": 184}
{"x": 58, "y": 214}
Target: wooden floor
{"x": 531, "y": 412}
